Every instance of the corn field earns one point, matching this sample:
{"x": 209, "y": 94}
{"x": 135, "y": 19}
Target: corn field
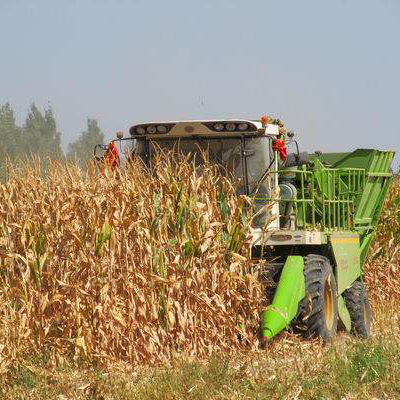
{"x": 382, "y": 269}
{"x": 124, "y": 266}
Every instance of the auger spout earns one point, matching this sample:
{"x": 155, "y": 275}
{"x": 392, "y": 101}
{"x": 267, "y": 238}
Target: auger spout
{"x": 290, "y": 291}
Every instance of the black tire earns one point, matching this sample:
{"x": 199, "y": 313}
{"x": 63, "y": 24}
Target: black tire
{"x": 318, "y": 312}
{"x": 357, "y": 303}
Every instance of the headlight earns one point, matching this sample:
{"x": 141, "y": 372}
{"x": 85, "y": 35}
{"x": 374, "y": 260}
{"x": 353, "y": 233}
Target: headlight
{"x": 140, "y": 130}
{"x": 230, "y": 126}
{"x": 219, "y": 127}
{"x": 151, "y": 129}
{"x": 243, "y": 127}
{"x": 161, "y": 129}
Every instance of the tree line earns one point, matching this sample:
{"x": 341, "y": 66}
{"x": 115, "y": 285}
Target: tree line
{"x": 39, "y": 136}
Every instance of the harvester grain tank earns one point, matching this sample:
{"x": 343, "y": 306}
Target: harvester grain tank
{"x": 323, "y": 210}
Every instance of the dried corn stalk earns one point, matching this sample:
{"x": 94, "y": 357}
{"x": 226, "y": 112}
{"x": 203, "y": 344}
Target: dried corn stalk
{"x": 126, "y": 266}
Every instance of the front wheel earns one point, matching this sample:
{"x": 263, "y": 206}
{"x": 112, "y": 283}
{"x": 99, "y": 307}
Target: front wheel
{"x": 318, "y": 316}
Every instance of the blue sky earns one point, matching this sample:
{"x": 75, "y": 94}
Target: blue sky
{"x": 329, "y": 69}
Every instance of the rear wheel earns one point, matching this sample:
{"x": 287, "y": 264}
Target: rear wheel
{"x": 318, "y": 316}
{"x": 356, "y": 300}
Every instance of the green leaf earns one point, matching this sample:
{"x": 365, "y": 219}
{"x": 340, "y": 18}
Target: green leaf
{"x": 187, "y": 248}
{"x": 103, "y": 237}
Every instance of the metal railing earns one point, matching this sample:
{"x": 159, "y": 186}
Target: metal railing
{"x": 326, "y": 198}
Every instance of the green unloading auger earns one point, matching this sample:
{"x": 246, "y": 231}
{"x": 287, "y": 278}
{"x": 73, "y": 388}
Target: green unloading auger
{"x": 288, "y": 294}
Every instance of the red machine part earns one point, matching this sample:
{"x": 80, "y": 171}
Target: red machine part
{"x": 279, "y": 146}
{"x": 112, "y": 156}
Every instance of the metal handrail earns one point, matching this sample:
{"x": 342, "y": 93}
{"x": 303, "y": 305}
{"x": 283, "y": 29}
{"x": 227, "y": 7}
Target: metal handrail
{"x": 325, "y": 199}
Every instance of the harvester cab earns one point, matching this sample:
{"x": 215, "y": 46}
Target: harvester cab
{"x": 314, "y": 217}
{"x": 249, "y": 152}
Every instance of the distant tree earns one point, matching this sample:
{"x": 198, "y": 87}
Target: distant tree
{"x": 40, "y": 134}
{"x": 82, "y": 148}
{"x": 10, "y": 134}
{"x": 11, "y": 145}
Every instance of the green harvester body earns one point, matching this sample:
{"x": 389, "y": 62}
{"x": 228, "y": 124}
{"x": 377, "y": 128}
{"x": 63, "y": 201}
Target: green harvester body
{"x": 339, "y": 201}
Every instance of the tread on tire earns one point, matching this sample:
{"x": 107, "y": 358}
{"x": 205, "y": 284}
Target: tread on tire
{"x": 318, "y": 315}
{"x": 357, "y": 303}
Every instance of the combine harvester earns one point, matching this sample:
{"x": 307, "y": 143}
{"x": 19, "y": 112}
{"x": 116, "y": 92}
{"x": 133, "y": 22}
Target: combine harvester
{"x": 315, "y": 215}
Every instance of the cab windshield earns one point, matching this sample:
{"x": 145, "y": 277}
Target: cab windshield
{"x": 244, "y": 160}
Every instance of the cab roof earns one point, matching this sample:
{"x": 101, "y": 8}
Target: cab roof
{"x": 217, "y": 127}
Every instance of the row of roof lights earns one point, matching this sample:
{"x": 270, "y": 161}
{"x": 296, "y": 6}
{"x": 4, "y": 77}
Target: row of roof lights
{"x": 230, "y": 126}
{"x": 151, "y": 129}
